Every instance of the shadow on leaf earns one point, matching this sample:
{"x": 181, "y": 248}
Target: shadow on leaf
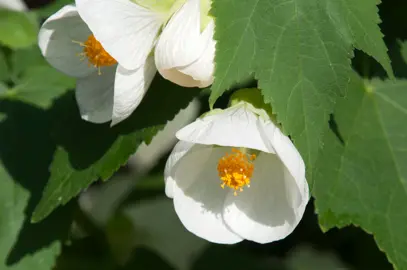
{"x": 86, "y": 142}
{"x": 26, "y": 151}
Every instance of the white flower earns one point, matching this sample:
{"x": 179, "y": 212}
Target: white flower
{"x": 183, "y": 54}
{"x": 17, "y": 5}
{"x": 127, "y": 30}
{"x": 234, "y": 175}
{"x": 107, "y": 89}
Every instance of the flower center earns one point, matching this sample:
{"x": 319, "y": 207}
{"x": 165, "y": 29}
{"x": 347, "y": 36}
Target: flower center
{"x": 96, "y": 54}
{"x": 236, "y": 169}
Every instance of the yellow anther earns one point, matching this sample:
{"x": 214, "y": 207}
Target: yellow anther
{"x": 236, "y": 169}
{"x": 96, "y": 54}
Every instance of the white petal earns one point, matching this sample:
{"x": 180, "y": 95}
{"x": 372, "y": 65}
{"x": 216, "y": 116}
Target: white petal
{"x": 130, "y": 88}
{"x": 198, "y": 197}
{"x": 263, "y": 213}
{"x": 289, "y": 155}
{"x": 94, "y": 95}
{"x": 180, "y": 149}
{"x": 178, "y": 44}
{"x": 126, "y": 30}
{"x": 17, "y": 5}
{"x": 202, "y": 69}
{"x": 58, "y": 40}
{"x": 183, "y": 55}
{"x": 236, "y": 126}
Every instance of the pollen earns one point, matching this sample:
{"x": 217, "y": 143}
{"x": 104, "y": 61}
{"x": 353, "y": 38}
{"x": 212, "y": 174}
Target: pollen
{"x": 96, "y": 54}
{"x": 236, "y": 169}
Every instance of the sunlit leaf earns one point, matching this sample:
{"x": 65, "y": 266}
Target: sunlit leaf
{"x": 362, "y": 179}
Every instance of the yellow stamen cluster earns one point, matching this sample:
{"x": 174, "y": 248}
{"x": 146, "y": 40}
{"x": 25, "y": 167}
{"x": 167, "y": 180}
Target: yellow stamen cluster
{"x": 96, "y": 54}
{"x": 236, "y": 169}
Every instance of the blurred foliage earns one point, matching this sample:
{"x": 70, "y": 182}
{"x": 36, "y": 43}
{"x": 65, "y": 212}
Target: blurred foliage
{"x": 18, "y": 29}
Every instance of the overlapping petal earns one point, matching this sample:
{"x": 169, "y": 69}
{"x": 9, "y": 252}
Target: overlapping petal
{"x": 201, "y": 70}
{"x": 263, "y": 213}
{"x": 198, "y": 198}
{"x": 291, "y": 159}
{"x": 236, "y": 126}
{"x": 183, "y": 54}
{"x": 126, "y": 30}
{"x": 180, "y": 149}
{"x": 94, "y": 95}
{"x": 179, "y": 44}
{"x": 129, "y": 89}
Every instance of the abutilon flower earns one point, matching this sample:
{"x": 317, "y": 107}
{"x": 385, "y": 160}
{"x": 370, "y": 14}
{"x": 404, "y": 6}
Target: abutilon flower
{"x": 16, "y": 5}
{"x": 234, "y": 175}
{"x": 127, "y": 29}
{"x": 108, "y": 45}
{"x": 108, "y": 87}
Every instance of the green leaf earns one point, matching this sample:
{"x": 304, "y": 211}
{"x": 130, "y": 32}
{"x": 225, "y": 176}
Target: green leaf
{"x": 87, "y": 151}
{"x": 22, "y": 59}
{"x": 300, "y": 53}
{"x": 25, "y": 153}
{"x": 13, "y": 200}
{"x": 40, "y": 85}
{"x": 18, "y": 29}
{"x": 4, "y": 71}
{"x": 35, "y": 81}
{"x": 361, "y": 178}
{"x": 358, "y": 21}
